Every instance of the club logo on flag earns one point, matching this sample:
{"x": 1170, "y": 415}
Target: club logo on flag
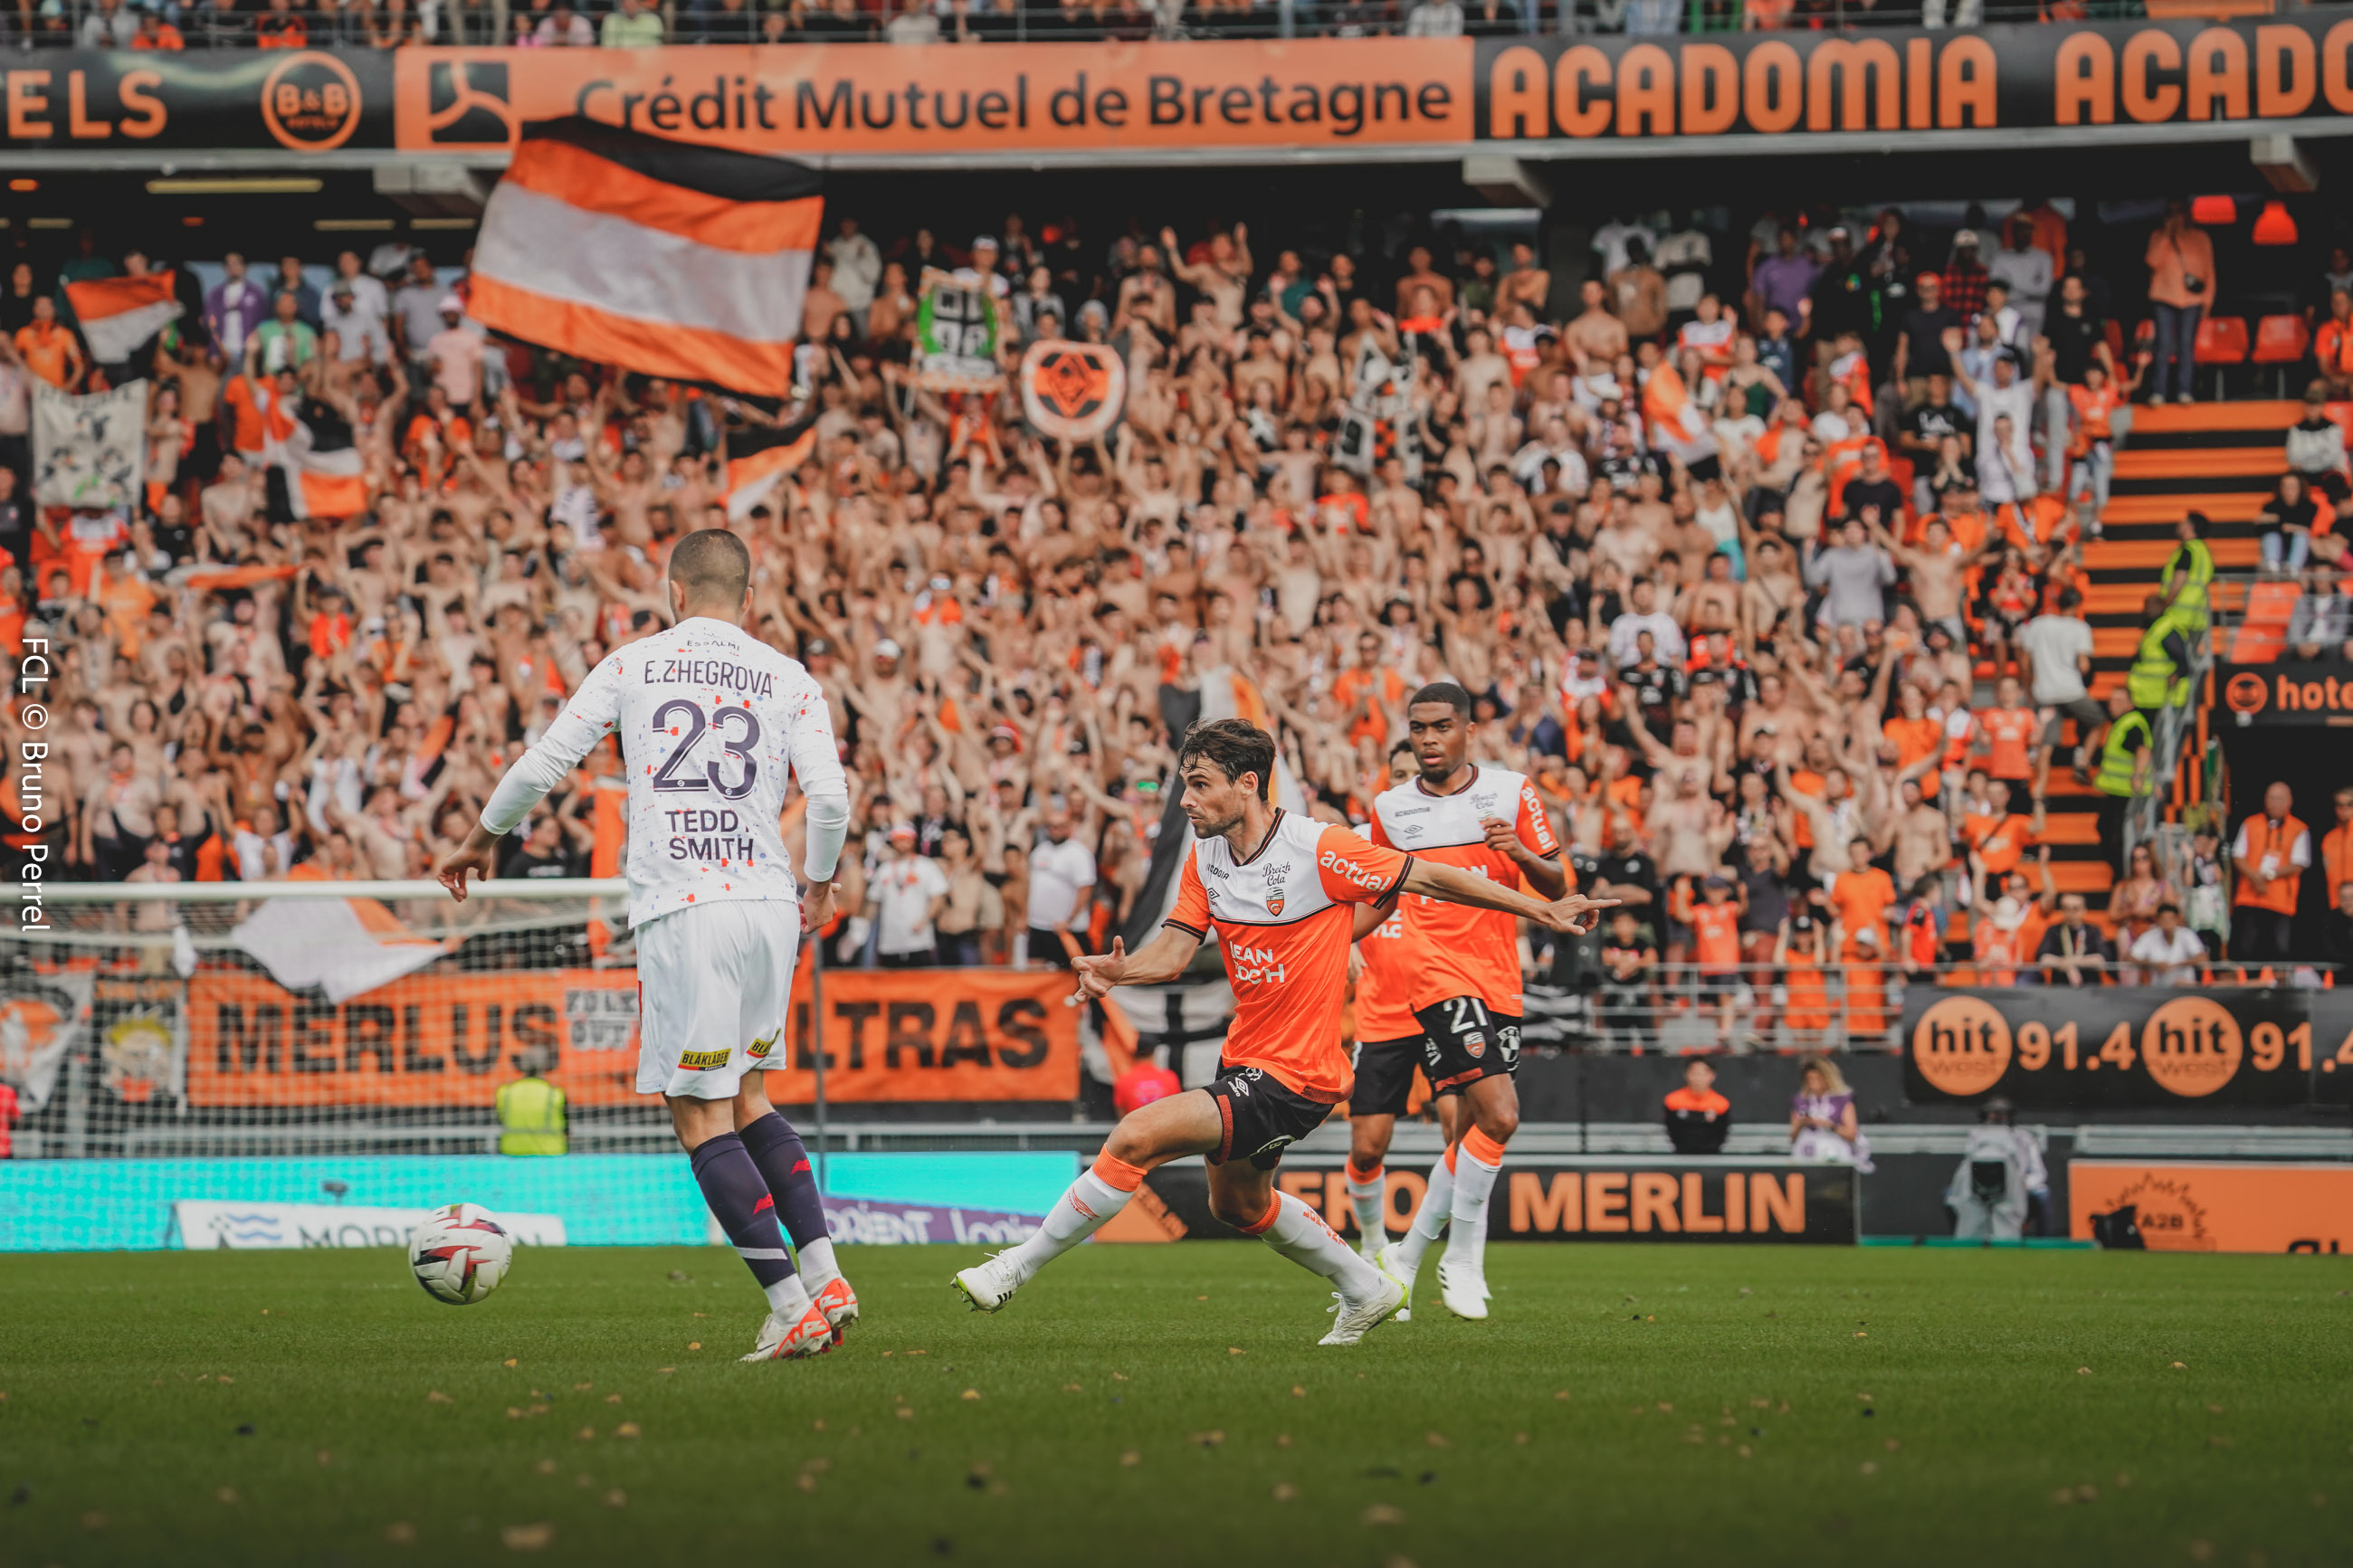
{"x": 311, "y": 102}
{"x": 466, "y": 101}
{"x": 1072, "y": 391}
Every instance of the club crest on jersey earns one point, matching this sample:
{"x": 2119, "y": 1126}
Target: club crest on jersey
{"x": 1274, "y": 903}
{"x": 1476, "y": 1044}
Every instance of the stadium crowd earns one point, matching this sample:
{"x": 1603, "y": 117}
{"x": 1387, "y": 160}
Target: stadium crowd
{"x": 1768, "y": 574}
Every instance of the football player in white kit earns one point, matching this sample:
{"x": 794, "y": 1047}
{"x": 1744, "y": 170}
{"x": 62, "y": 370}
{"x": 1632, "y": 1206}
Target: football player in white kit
{"x": 710, "y": 722}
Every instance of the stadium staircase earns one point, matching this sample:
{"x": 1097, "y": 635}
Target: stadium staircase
{"x": 2222, "y": 459}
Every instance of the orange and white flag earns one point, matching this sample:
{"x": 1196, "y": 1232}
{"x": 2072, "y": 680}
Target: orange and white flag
{"x": 118, "y": 314}
{"x": 664, "y": 258}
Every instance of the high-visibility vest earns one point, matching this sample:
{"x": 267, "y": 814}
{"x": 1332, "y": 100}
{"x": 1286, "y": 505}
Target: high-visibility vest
{"x": 2153, "y": 681}
{"x": 2278, "y": 895}
{"x": 531, "y": 1116}
{"x": 2195, "y": 564}
{"x": 2115, "y": 775}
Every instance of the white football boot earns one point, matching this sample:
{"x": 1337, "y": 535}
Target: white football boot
{"x": 1463, "y": 1288}
{"x": 989, "y": 1285}
{"x": 1392, "y": 1262}
{"x": 790, "y": 1339}
{"x": 1358, "y": 1319}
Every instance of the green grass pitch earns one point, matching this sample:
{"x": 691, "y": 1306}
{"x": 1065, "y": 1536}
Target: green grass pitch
{"x": 1168, "y": 1405}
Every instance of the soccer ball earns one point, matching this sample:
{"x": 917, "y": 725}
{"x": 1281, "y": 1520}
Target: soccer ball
{"x": 460, "y": 1252}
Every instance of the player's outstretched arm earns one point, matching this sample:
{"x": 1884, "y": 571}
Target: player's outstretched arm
{"x": 1572, "y": 916}
{"x": 586, "y": 719}
{"x": 1161, "y": 959}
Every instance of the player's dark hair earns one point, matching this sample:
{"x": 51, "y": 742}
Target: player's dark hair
{"x": 1444, "y": 691}
{"x": 1233, "y": 747}
{"x": 1405, "y": 748}
{"x": 712, "y": 563}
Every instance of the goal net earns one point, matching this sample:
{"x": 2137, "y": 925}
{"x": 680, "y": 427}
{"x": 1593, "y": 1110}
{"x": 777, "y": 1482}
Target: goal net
{"x": 218, "y": 1019}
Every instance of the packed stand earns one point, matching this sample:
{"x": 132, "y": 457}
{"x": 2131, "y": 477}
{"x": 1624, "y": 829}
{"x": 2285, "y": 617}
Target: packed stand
{"x": 1768, "y": 574}
{"x": 171, "y": 25}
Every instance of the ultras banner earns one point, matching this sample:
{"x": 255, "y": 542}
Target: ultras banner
{"x": 1917, "y": 84}
{"x": 451, "y": 1039}
{"x": 300, "y": 100}
{"x": 2122, "y": 1047}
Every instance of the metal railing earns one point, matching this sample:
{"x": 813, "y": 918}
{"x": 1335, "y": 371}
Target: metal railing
{"x": 363, "y": 25}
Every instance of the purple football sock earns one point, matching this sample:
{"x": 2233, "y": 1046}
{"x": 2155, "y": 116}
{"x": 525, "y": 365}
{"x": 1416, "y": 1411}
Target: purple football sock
{"x": 731, "y": 1186}
{"x": 784, "y": 1164}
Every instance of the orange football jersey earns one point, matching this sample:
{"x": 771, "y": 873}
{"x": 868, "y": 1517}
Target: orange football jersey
{"x": 1382, "y": 1012}
{"x": 1282, "y": 916}
{"x": 1454, "y": 949}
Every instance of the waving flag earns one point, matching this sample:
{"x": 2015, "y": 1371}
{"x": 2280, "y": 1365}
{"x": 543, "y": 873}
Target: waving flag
{"x": 315, "y": 471}
{"x": 662, "y": 256}
{"x": 118, "y": 314}
{"x": 759, "y": 459}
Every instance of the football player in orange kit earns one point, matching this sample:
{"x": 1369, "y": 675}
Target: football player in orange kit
{"x": 1388, "y": 1049}
{"x": 1276, "y": 888}
{"x": 1465, "y": 968}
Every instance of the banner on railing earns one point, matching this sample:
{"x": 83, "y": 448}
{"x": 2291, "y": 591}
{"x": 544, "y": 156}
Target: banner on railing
{"x": 812, "y": 99}
{"x": 2127, "y": 1047}
{"x": 452, "y": 1039}
{"x": 296, "y": 100}
{"x": 2212, "y": 1207}
{"x": 2278, "y": 694}
{"x": 1562, "y": 1199}
{"x": 1349, "y": 98}
{"x": 1915, "y": 85}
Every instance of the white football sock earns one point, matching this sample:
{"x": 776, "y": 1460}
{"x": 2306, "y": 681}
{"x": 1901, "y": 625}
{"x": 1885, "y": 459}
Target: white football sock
{"x": 816, "y": 1264}
{"x": 1300, "y": 1234}
{"x": 1473, "y": 1179}
{"x": 1077, "y": 1214}
{"x": 788, "y": 1298}
{"x": 1430, "y": 1219}
{"x": 1368, "y": 1201}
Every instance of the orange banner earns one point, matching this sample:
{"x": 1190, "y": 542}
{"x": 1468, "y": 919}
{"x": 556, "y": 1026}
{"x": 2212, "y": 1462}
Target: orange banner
{"x": 945, "y": 99}
{"x": 2211, "y": 1207}
{"x": 450, "y": 1039}
{"x": 935, "y": 1034}
{"x": 429, "y": 1039}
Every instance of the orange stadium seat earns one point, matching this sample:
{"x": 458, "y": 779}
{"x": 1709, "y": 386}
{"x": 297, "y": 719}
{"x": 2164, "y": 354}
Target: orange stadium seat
{"x": 2281, "y": 341}
{"x": 2221, "y": 343}
{"x": 2263, "y": 632}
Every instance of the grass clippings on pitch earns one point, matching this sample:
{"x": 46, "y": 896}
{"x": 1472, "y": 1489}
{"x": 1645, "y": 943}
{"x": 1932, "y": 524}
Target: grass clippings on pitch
{"x": 1167, "y": 1405}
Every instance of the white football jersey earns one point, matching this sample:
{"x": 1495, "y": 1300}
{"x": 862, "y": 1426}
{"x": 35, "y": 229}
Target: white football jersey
{"x": 712, "y": 720}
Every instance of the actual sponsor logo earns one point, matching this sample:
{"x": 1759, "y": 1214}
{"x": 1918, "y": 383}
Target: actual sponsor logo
{"x": 759, "y": 1049}
{"x": 1962, "y": 1046}
{"x": 311, "y": 102}
{"x": 2246, "y": 692}
{"x": 1349, "y": 871}
{"x": 704, "y": 1061}
{"x": 2191, "y": 1046}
